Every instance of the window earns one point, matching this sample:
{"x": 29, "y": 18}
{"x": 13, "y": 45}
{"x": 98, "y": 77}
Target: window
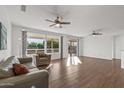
{"x": 56, "y": 45}
{"x": 49, "y": 46}
{"x": 52, "y": 44}
{"x": 37, "y": 43}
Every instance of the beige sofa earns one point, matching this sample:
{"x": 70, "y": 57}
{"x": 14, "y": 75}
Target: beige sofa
{"x": 36, "y": 78}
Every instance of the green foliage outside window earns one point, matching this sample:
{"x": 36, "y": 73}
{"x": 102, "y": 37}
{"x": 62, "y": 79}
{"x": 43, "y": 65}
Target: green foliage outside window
{"x": 53, "y": 43}
{"x": 40, "y": 45}
{"x": 35, "y": 45}
{"x": 49, "y": 43}
{"x": 56, "y": 44}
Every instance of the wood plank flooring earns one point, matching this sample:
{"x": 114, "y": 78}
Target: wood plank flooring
{"x": 91, "y": 73}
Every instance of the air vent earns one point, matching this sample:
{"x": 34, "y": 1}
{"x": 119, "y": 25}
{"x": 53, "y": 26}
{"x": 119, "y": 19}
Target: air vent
{"x": 23, "y": 8}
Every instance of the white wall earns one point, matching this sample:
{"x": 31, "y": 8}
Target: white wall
{"x": 5, "y": 21}
{"x": 65, "y": 46}
{"x": 119, "y": 45}
{"x": 81, "y": 47}
{"x": 17, "y": 43}
{"x": 98, "y": 46}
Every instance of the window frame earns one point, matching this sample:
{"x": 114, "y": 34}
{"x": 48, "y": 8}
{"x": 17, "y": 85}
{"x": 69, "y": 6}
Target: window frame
{"x": 45, "y": 39}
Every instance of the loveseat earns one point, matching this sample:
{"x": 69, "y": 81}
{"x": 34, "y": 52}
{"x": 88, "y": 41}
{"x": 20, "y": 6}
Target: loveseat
{"x": 35, "y": 78}
{"x": 38, "y": 79}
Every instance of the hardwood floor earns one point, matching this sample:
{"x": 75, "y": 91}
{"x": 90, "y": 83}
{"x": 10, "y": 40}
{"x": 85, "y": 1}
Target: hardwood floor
{"x": 91, "y": 73}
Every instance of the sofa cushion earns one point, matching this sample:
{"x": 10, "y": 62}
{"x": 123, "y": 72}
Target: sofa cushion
{"x": 34, "y": 69}
{"x": 5, "y": 73}
{"x": 29, "y": 62}
{"x": 42, "y": 55}
{"x": 44, "y": 59}
{"x": 20, "y": 69}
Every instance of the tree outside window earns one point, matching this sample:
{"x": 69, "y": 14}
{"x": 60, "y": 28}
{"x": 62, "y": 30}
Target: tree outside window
{"x": 52, "y": 45}
{"x": 37, "y": 45}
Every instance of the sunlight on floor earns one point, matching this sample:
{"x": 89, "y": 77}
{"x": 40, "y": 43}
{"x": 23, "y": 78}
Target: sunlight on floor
{"x": 73, "y": 60}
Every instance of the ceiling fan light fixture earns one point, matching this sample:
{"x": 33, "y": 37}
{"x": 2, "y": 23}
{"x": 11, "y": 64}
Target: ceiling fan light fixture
{"x": 93, "y": 35}
{"x": 58, "y": 22}
{"x": 57, "y": 25}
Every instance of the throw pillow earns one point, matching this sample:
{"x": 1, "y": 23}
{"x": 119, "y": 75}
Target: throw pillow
{"x": 8, "y": 63}
{"x": 20, "y": 69}
{"x": 6, "y": 67}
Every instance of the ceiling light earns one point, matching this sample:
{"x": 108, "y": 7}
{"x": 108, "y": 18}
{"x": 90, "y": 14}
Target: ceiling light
{"x": 93, "y": 35}
{"x": 57, "y": 25}
{"x": 23, "y": 29}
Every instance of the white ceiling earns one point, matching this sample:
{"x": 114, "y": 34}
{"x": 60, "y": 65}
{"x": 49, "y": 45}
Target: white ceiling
{"x": 83, "y": 18}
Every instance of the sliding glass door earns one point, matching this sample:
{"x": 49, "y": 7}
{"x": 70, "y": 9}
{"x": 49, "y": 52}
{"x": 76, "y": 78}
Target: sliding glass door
{"x": 73, "y": 47}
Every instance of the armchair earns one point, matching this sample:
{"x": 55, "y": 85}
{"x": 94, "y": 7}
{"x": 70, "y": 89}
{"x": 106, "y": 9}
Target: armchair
{"x": 43, "y": 59}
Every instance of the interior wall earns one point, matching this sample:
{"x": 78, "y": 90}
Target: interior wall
{"x": 65, "y": 46}
{"x": 17, "y": 43}
{"x": 98, "y": 46}
{"x": 119, "y": 45}
{"x": 81, "y": 47}
{"x": 6, "y": 22}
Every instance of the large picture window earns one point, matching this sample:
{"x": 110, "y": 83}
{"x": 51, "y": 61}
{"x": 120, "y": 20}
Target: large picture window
{"x": 37, "y": 43}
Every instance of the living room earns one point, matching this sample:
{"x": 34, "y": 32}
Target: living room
{"x": 53, "y": 46}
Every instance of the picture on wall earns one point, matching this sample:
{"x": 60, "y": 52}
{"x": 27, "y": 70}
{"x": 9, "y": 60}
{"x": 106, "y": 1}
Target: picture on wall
{"x": 3, "y": 37}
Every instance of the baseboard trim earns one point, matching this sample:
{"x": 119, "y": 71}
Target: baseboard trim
{"x": 89, "y": 57}
{"x": 116, "y": 59}
{"x": 97, "y": 58}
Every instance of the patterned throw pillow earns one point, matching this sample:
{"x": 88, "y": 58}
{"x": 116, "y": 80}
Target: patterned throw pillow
{"x": 20, "y": 69}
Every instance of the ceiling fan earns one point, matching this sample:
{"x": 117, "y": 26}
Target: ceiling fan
{"x": 58, "y": 22}
{"x": 96, "y": 32}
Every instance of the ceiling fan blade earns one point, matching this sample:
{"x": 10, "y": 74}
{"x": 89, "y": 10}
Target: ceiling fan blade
{"x": 100, "y": 34}
{"x": 50, "y": 20}
{"x": 52, "y": 25}
{"x": 23, "y": 8}
{"x": 97, "y": 34}
{"x": 88, "y": 35}
{"x": 65, "y": 22}
{"x": 100, "y": 29}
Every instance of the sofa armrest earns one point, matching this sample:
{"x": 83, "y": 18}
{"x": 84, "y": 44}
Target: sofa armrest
{"x": 37, "y": 79}
{"x": 49, "y": 57}
{"x": 25, "y": 60}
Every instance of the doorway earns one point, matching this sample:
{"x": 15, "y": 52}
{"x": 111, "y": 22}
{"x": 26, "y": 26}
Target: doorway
{"x": 73, "y": 47}
{"x": 73, "y": 53}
